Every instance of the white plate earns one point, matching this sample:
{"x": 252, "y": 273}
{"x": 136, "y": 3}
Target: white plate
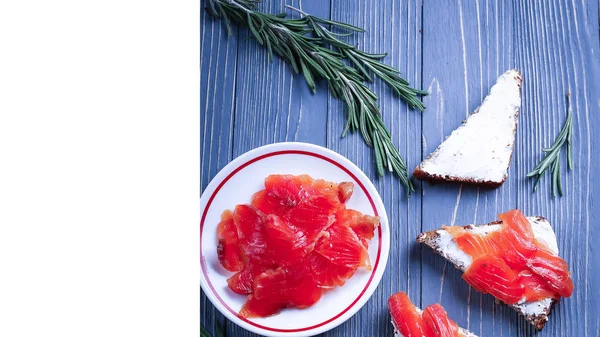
{"x": 236, "y": 183}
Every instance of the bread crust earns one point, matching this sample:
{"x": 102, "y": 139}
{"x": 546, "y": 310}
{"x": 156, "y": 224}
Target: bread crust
{"x": 436, "y": 178}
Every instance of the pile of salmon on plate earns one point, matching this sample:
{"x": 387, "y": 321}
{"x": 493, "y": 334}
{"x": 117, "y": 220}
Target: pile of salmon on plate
{"x": 293, "y": 242}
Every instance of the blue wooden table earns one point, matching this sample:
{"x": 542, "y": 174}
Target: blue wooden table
{"x": 455, "y": 50}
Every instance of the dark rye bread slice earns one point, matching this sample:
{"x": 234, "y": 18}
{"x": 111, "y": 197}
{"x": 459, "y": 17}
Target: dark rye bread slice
{"x": 480, "y": 150}
{"x": 535, "y": 312}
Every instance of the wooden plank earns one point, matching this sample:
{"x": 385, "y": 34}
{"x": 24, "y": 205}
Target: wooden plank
{"x": 272, "y": 104}
{"x": 467, "y": 45}
{"x": 217, "y": 84}
{"x": 558, "y": 51}
{"x": 392, "y": 27}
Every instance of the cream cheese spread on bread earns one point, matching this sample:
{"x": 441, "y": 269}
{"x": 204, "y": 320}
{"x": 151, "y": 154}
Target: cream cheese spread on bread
{"x": 480, "y": 150}
{"x": 445, "y": 245}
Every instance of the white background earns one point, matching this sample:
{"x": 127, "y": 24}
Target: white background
{"x": 99, "y": 168}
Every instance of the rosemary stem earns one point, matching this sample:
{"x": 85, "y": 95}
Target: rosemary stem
{"x": 297, "y": 10}
{"x": 552, "y": 158}
{"x": 238, "y": 5}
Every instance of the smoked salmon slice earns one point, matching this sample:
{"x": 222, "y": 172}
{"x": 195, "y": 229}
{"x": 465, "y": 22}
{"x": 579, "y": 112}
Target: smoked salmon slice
{"x": 345, "y": 190}
{"x": 490, "y": 274}
{"x": 327, "y": 274}
{"x": 249, "y": 223}
{"x": 342, "y": 247}
{"x": 405, "y": 317}
{"x": 289, "y": 189}
{"x": 285, "y": 242}
{"x": 269, "y": 204}
{"x": 312, "y": 216}
{"x": 553, "y": 270}
{"x": 362, "y": 225}
{"x": 473, "y": 244}
{"x": 243, "y": 281}
{"x": 536, "y": 287}
{"x": 291, "y": 285}
{"x": 409, "y": 321}
{"x": 229, "y": 251}
{"x": 437, "y": 323}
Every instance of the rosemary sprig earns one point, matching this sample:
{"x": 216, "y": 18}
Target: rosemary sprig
{"x": 205, "y": 333}
{"x": 362, "y": 61}
{"x": 310, "y": 46}
{"x": 552, "y": 158}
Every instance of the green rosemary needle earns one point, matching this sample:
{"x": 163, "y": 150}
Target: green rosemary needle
{"x": 552, "y": 158}
{"x": 205, "y": 333}
{"x": 310, "y": 46}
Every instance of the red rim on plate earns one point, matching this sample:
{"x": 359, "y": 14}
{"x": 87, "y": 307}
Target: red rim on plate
{"x": 246, "y": 164}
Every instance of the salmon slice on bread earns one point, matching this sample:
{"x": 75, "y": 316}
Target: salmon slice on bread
{"x": 443, "y": 242}
{"x": 433, "y": 321}
{"x": 479, "y": 151}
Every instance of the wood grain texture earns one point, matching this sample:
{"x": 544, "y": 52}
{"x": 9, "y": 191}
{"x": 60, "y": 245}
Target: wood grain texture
{"x": 247, "y": 101}
{"x": 392, "y": 27}
{"x": 272, "y": 103}
{"x": 217, "y": 85}
{"x": 465, "y": 48}
{"x": 559, "y": 52}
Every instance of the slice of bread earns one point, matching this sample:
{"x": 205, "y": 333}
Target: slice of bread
{"x": 443, "y": 243}
{"x": 479, "y": 151}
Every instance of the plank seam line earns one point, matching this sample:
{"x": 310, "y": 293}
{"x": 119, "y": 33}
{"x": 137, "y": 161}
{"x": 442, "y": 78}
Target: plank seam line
{"x": 234, "y": 96}
{"x": 328, "y": 111}
{"x": 464, "y": 54}
{"x": 422, "y": 149}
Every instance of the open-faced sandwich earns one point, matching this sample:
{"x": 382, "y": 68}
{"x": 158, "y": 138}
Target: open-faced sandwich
{"x": 480, "y": 150}
{"x": 515, "y": 260}
{"x": 410, "y": 321}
